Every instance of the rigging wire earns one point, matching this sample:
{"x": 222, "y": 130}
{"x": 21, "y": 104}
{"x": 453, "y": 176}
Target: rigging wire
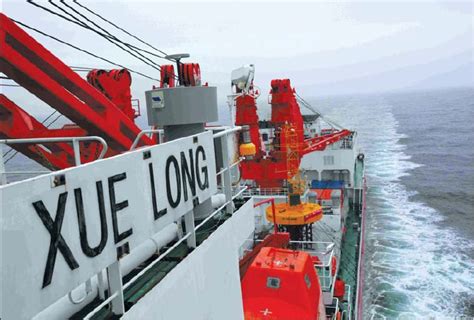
{"x": 110, "y": 35}
{"x": 116, "y": 26}
{"x": 132, "y": 50}
{"x": 308, "y": 106}
{"x": 107, "y": 35}
{"x": 42, "y": 122}
{"x": 84, "y": 51}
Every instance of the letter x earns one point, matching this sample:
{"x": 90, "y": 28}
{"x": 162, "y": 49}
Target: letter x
{"x": 57, "y": 240}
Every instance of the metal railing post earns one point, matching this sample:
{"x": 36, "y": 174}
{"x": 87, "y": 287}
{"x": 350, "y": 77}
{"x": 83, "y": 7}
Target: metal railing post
{"x": 115, "y": 286}
{"x": 227, "y": 183}
{"x": 3, "y": 175}
{"x": 225, "y": 170}
{"x": 77, "y": 151}
{"x": 75, "y": 144}
{"x": 141, "y": 133}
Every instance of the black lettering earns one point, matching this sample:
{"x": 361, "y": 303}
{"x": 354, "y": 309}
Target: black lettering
{"x": 57, "y": 240}
{"x": 81, "y": 220}
{"x": 116, "y": 207}
{"x": 188, "y": 177}
{"x": 202, "y": 184}
{"x": 156, "y": 213}
{"x": 173, "y": 203}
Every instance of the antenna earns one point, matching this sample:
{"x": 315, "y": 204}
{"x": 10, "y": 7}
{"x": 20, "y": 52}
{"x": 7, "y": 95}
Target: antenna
{"x": 177, "y": 57}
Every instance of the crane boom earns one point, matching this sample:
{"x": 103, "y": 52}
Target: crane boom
{"x": 33, "y": 67}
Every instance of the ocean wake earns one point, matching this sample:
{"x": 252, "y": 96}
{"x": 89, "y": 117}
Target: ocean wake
{"x": 414, "y": 267}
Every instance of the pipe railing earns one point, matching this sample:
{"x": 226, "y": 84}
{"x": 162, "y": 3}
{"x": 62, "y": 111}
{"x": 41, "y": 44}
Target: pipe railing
{"x": 360, "y": 263}
{"x": 162, "y": 256}
{"x": 75, "y": 145}
{"x": 226, "y": 132}
{"x": 334, "y": 306}
{"x": 140, "y": 135}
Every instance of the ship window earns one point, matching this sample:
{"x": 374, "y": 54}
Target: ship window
{"x": 273, "y": 283}
{"x": 307, "y": 280}
{"x": 328, "y": 160}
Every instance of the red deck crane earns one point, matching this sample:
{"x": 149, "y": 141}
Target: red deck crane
{"x": 270, "y": 171}
{"x": 102, "y": 107}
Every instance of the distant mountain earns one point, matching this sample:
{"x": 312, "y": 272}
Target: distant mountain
{"x": 462, "y": 76}
{"x": 452, "y": 71}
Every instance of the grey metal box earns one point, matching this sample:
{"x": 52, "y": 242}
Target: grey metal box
{"x": 181, "y": 105}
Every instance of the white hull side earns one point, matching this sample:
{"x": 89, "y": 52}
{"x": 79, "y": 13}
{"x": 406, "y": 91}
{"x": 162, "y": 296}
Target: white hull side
{"x": 206, "y": 284}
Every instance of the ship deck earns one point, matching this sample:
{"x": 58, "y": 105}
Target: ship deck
{"x": 154, "y": 275}
{"x": 348, "y": 266}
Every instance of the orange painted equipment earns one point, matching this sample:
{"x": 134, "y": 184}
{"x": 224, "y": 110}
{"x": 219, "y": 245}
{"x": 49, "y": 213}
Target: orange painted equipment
{"x": 282, "y": 284}
{"x": 247, "y": 149}
{"x": 276, "y": 240}
{"x": 303, "y": 213}
{"x": 323, "y": 194}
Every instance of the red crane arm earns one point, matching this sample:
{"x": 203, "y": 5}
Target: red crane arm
{"x": 35, "y": 68}
{"x": 15, "y": 123}
{"x": 321, "y": 142}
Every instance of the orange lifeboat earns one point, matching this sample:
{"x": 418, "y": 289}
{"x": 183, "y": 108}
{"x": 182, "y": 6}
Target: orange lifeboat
{"x": 282, "y": 284}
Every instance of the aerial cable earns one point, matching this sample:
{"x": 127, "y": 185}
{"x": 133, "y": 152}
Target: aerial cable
{"x": 110, "y": 35}
{"x": 116, "y": 26}
{"x": 317, "y": 112}
{"x": 84, "y": 51}
{"x": 42, "y": 122}
{"x": 83, "y": 25}
{"x": 107, "y": 35}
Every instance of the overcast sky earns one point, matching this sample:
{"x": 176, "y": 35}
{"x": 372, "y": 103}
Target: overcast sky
{"x": 324, "y": 48}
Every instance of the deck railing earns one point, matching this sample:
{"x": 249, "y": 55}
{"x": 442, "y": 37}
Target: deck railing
{"x": 265, "y": 192}
{"x": 324, "y": 251}
{"x": 334, "y": 307}
{"x": 73, "y": 140}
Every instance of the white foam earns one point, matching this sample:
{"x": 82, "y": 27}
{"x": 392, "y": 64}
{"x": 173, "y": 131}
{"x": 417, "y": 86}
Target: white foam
{"x": 409, "y": 256}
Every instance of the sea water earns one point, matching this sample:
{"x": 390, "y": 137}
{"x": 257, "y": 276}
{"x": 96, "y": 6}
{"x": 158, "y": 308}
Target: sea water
{"x": 419, "y": 151}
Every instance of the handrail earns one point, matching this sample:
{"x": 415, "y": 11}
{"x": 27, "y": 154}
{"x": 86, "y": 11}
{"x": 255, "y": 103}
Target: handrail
{"x": 335, "y": 301}
{"x": 74, "y": 141}
{"x": 360, "y": 262}
{"x": 217, "y": 135}
{"x": 140, "y": 135}
{"x": 349, "y": 298}
{"x": 228, "y": 168}
{"x": 75, "y": 144}
{"x": 226, "y": 132}
{"x": 162, "y": 256}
